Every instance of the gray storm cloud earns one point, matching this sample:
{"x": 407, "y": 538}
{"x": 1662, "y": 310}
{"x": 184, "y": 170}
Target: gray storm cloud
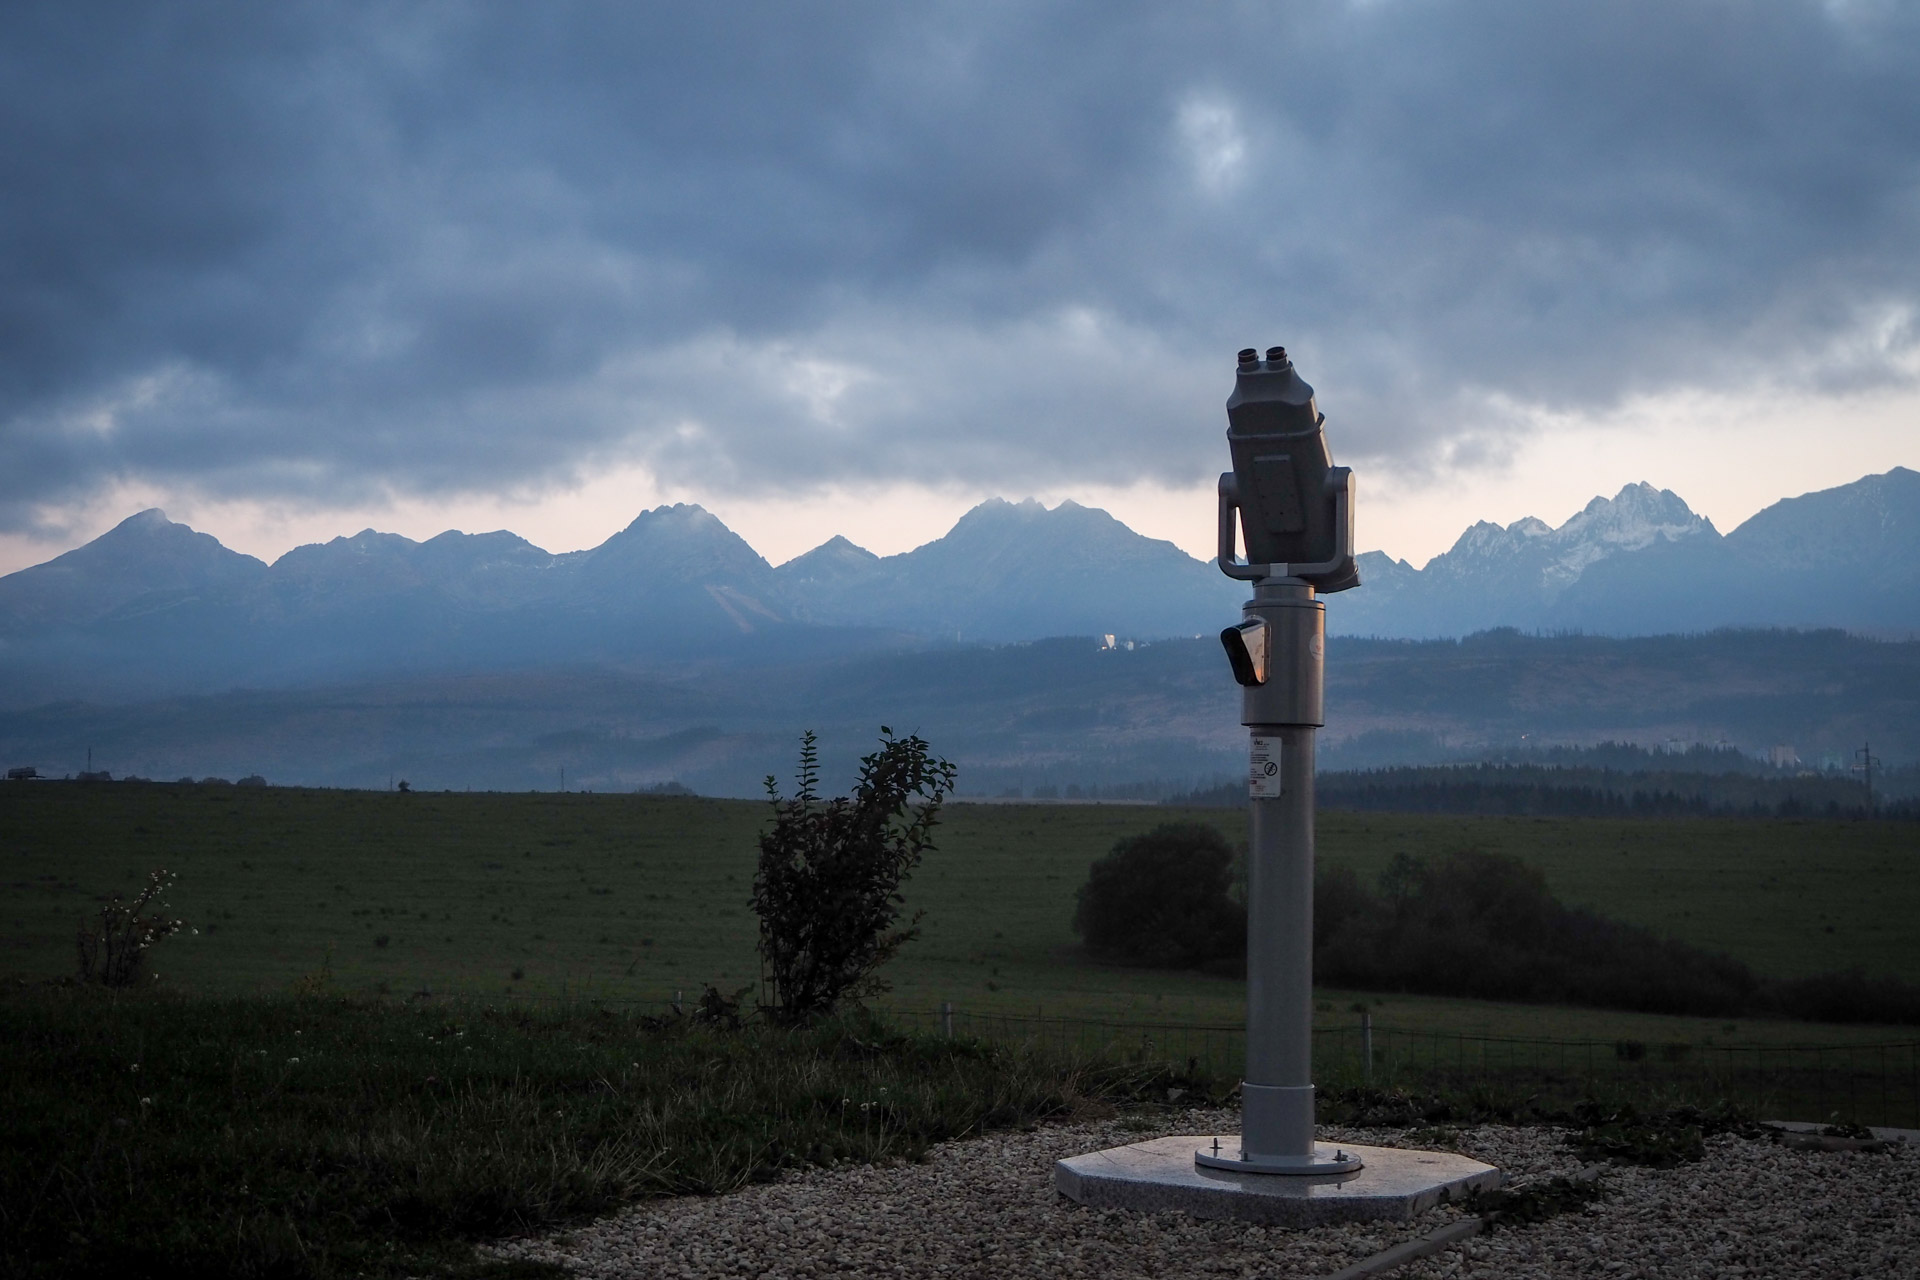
{"x": 319, "y": 251}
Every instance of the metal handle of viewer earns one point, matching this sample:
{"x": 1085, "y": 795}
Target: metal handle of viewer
{"x": 1230, "y": 562}
{"x": 1339, "y": 481}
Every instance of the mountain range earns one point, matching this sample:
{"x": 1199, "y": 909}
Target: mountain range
{"x": 154, "y": 608}
{"x": 1643, "y": 563}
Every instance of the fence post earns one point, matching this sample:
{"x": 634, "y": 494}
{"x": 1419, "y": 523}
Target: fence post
{"x": 1366, "y": 1046}
{"x": 1853, "y": 1085}
{"x": 946, "y": 1019}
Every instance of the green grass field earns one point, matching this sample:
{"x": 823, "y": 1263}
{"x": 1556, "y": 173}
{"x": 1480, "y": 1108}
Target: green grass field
{"x": 310, "y": 1136}
{"x": 619, "y": 897}
{"x": 301, "y": 1138}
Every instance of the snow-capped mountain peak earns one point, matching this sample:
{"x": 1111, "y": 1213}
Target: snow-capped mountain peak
{"x": 1638, "y": 516}
{"x": 1633, "y": 518}
{"x": 1534, "y": 555}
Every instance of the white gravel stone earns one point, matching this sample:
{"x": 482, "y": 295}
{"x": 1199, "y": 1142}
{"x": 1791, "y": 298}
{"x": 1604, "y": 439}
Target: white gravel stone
{"x": 986, "y": 1208}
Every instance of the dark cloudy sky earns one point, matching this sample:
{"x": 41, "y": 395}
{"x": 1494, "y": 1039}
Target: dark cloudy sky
{"x": 293, "y": 268}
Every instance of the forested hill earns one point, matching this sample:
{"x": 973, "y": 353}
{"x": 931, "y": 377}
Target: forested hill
{"x": 1143, "y": 722}
{"x": 1535, "y": 790}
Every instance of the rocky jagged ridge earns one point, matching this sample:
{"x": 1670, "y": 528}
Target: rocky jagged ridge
{"x": 1644, "y": 563}
{"x": 153, "y": 606}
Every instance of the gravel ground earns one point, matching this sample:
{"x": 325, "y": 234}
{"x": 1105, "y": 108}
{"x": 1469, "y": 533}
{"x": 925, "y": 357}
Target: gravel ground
{"x": 987, "y": 1208}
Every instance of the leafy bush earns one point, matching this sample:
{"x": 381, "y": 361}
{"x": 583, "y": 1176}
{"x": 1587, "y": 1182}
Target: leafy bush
{"x": 1476, "y": 924}
{"x": 828, "y": 886}
{"x": 1470, "y": 924}
{"x": 112, "y": 949}
{"x": 1340, "y": 904}
{"x": 1163, "y": 899}
{"x": 1480, "y": 925}
{"x": 1848, "y": 996}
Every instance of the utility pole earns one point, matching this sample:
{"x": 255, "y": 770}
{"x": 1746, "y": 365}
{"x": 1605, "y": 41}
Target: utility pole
{"x": 1866, "y": 760}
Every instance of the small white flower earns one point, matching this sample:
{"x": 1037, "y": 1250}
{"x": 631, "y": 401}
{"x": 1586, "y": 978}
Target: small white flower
{"x": 291, "y": 1061}
{"x": 146, "y": 1102}
{"x": 135, "y": 1068}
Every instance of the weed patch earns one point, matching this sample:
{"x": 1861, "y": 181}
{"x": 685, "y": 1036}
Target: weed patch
{"x": 1507, "y": 1207}
{"x": 1602, "y": 1130}
{"x": 1659, "y": 1140}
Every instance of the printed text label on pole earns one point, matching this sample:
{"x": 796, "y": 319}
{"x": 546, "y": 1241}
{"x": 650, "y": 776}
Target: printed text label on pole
{"x": 1263, "y": 768}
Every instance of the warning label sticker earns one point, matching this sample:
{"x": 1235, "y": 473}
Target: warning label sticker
{"x": 1263, "y": 769}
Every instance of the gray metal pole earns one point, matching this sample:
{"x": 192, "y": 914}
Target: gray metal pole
{"x": 1278, "y": 1092}
{"x": 1281, "y": 715}
{"x": 1277, "y": 1096}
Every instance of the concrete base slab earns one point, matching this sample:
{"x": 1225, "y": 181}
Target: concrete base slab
{"x": 1156, "y": 1176}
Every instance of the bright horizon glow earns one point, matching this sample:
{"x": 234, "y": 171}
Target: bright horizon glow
{"x": 1728, "y": 459}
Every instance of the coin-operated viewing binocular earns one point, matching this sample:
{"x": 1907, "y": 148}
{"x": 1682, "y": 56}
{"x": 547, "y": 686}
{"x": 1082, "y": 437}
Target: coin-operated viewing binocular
{"x": 1295, "y": 506}
{"x": 1295, "y": 513}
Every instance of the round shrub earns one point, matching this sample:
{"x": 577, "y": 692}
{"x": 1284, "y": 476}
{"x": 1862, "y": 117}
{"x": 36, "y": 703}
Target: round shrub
{"x": 1162, "y": 899}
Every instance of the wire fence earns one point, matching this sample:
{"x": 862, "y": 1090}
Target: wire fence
{"x": 1874, "y": 1084}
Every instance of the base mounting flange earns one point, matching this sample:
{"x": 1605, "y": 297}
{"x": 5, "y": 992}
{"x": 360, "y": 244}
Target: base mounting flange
{"x": 1327, "y": 1160}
